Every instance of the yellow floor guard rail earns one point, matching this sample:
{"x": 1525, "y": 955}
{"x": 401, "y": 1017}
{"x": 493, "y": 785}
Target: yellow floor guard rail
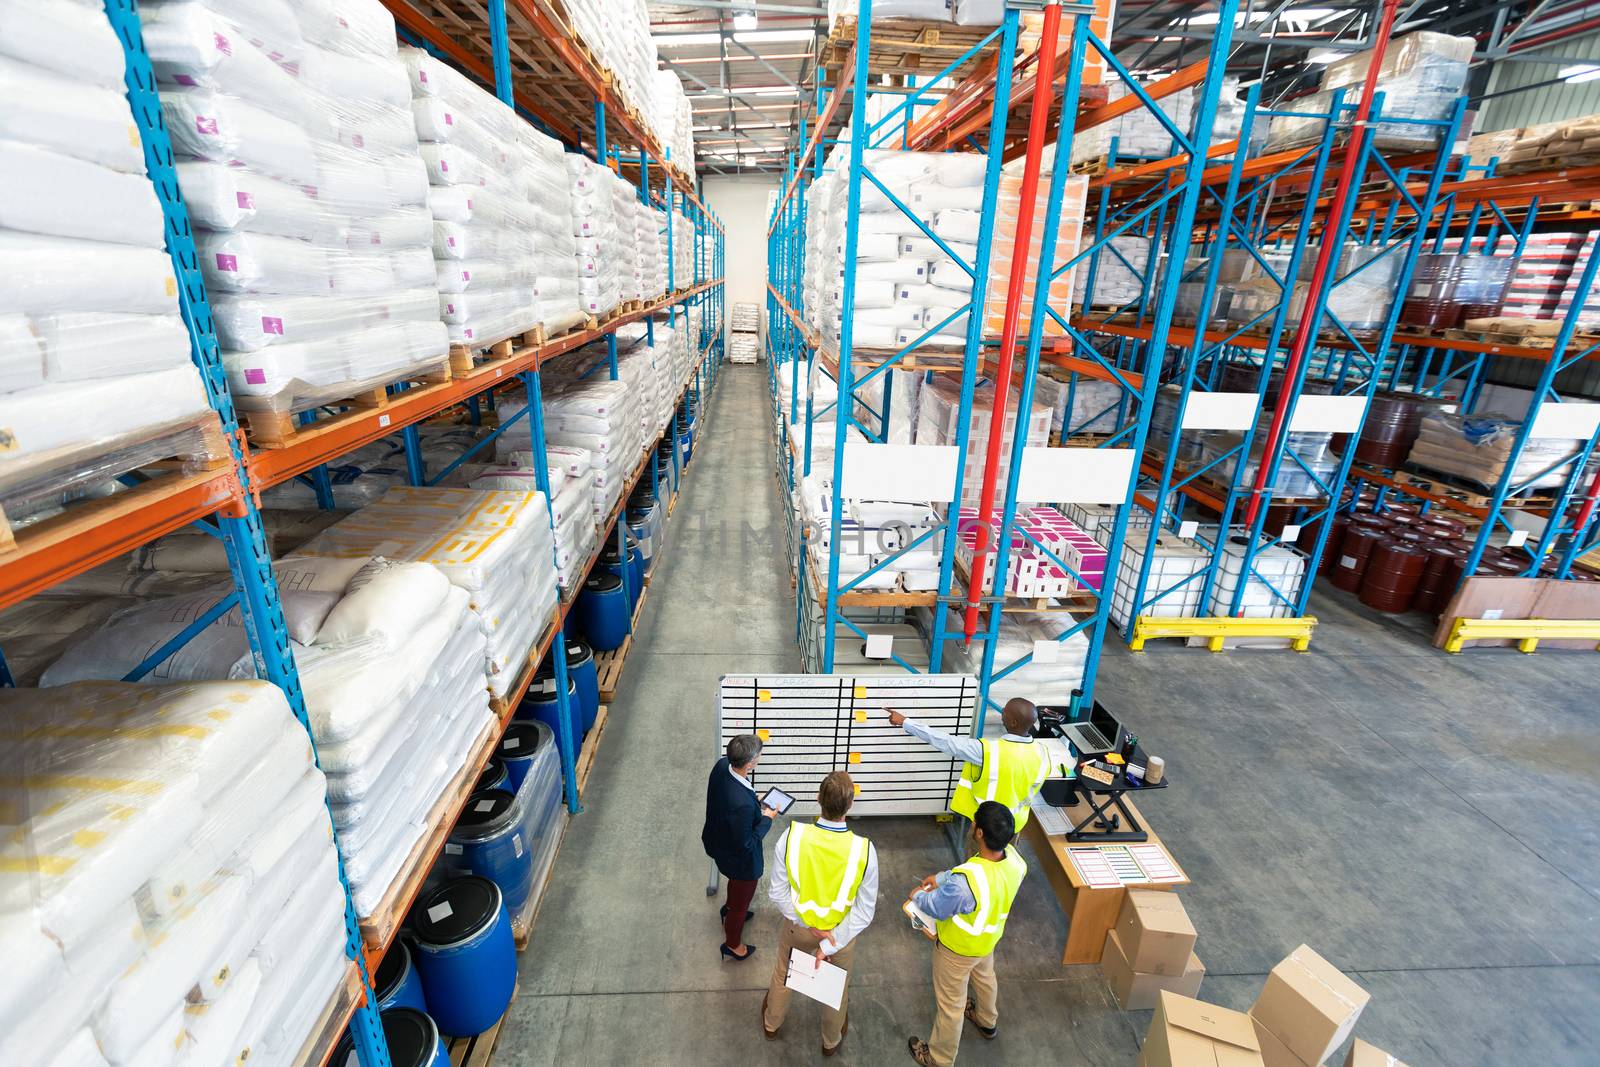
{"x": 1217, "y": 631}
{"x": 1526, "y": 632}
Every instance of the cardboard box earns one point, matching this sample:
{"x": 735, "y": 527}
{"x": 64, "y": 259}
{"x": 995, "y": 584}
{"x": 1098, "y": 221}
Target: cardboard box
{"x": 1155, "y": 932}
{"x": 1309, "y": 1005}
{"x": 1137, "y": 992}
{"x": 1191, "y": 1033}
{"x": 1275, "y": 1053}
{"x": 1365, "y": 1055}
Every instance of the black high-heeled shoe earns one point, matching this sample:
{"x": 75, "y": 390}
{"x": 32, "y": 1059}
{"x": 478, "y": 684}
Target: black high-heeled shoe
{"x": 729, "y": 954}
{"x": 747, "y": 915}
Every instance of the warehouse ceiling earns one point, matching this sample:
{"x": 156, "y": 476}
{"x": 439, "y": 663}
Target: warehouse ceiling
{"x": 750, "y": 67}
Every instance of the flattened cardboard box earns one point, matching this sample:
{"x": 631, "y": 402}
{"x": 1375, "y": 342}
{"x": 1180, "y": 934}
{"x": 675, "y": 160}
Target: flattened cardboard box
{"x": 1309, "y": 1005}
{"x": 1139, "y": 992}
{"x": 1365, "y": 1055}
{"x": 1155, "y": 932}
{"x": 1192, "y": 1033}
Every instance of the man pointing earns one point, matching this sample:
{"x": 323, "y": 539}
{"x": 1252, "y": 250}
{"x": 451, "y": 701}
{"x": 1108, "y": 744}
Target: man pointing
{"x": 1008, "y": 771}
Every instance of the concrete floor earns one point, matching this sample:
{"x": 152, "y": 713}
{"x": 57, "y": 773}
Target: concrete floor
{"x": 1428, "y": 823}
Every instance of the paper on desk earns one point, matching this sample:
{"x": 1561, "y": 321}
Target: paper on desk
{"x": 822, "y": 982}
{"x": 1095, "y": 868}
{"x": 1158, "y": 867}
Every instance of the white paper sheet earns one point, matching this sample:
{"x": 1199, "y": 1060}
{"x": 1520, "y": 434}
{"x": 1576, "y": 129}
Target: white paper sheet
{"x": 821, "y": 981}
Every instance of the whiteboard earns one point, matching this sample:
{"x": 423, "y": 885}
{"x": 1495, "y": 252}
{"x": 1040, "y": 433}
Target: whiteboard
{"x": 811, "y": 724}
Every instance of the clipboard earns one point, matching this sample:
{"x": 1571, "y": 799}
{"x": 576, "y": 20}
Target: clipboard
{"x": 921, "y": 921}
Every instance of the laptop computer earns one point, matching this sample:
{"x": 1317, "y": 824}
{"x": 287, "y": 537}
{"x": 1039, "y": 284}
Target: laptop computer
{"x": 1101, "y": 734}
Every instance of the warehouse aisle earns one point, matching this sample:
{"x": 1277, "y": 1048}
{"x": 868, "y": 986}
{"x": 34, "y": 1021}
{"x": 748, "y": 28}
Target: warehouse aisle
{"x": 623, "y": 966}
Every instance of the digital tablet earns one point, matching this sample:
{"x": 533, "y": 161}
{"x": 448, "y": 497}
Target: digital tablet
{"x": 777, "y": 800}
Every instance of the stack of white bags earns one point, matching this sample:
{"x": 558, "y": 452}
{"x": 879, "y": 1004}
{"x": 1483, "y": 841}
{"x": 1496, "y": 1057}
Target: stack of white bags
{"x": 299, "y": 164}
{"x": 501, "y": 210}
{"x": 171, "y": 891}
{"x": 626, "y": 209}
{"x": 682, "y": 252}
{"x": 494, "y": 545}
{"x": 674, "y": 118}
{"x": 88, "y": 299}
{"x": 618, "y": 33}
{"x": 595, "y": 226}
{"x": 602, "y": 418}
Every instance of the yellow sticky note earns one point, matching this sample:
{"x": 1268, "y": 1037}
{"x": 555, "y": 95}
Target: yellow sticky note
{"x": 858, "y": 788}
{"x": 765, "y": 735}
{"x": 861, "y": 692}
{"x": 172, "y": 285}
{"x": 133, "y": 135}
{"x": 855, "y": 757}
{"x": 861, "y": 716}
{"x": 763, "y": 694}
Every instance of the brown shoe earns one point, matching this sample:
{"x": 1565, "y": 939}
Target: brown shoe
{"x": 772, "y": 1035}
{"x": 834, "y": 1051}
{"x": 920, "y": 1051}
{"x": 988, "y": 1032}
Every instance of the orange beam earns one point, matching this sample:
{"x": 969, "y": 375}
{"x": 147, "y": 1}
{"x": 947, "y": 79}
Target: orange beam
{"x": 98, "y": 531}
{"x": 313, "y": 446}
{"x": 1192, "y": 75}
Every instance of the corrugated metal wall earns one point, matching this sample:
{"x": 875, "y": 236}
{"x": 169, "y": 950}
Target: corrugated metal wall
{"x": 1552, "y": 103}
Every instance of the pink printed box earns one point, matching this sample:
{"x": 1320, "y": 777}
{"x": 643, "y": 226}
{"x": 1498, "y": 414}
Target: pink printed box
{"x": 1031, "y": 572}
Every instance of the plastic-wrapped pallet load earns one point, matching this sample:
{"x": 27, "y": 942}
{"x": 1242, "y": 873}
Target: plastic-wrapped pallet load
{"x": 938, "y": 411}
{"x": 1118, "y": 275}
{"x": 171, "y": 886}
{"x": 1168, "y": 594}
{"x": 626, "y": 208}
{"x": 392, "y": 664}
{"x": 501, "y": 210}
{"x": 617, "y": 32}
{"x": 494, "y": 545}
{"x": 1477, "y": 448}
{"x": 1048, "y": 678}
{"x": 743, "y": 348}
{"x": 1422, "y": 75}
{"x": 1276, "y": 574}
{"x": 683, "y": 244}
{"x": 597, "y": 248}
{"x": 300, "y": 167}
{"x": 88, "y": 300}
{"x": 673, "y": 117}
{"x": 1069, "y": 236}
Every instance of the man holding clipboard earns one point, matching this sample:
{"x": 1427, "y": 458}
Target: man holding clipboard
{"x": 825, "y": 882}
{"x": 968, "y": 907}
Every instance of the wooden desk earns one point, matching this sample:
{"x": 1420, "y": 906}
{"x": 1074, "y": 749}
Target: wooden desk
{"x": 1091, "y": 913}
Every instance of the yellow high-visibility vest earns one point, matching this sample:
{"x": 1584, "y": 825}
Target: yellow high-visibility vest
{"x": 1011, "y": 773}
{"x": 825, "y": 871}
{"x": 994, "y": 887}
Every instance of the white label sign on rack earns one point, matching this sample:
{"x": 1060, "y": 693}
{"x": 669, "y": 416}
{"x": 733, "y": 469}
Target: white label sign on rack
{"x": 1075, "y": 475}
{"x": 1219, "y": 411}
{"x": 1570, "y": 419}
{"x": 1327, "y": 414}
{"x": 899, "y": 472}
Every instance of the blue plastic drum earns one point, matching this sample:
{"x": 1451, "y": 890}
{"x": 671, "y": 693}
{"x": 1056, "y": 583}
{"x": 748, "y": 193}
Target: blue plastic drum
{"x": 465, "y": 954}
{"x": 611, "y": 563}
{"x": 518, "y": 748}
{"x": 603, "y": 610}
{"x": 397, "y": 983}
{"x": 585, "y": 677}
{"x": 489, "y": 835}
{"x": 413, "y": 1040}
{"x": 541, "y": 706}
{"x": 494, "y": 776}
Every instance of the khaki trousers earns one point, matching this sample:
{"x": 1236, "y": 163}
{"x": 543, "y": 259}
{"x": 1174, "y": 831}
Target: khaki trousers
{"x": 795, "y": 936}
{"x": 951, "y": 974}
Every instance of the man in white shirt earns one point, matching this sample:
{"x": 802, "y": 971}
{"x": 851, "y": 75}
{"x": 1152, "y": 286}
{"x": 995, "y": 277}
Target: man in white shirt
{"x": 825, "y": 883}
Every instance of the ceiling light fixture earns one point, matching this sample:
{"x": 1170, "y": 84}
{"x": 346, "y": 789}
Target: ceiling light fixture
{"x": 1583, "y": 72}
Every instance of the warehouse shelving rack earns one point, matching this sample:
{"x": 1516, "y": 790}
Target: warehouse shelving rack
{"x": 985, "y": 100}
{"x": 221, "y": 499}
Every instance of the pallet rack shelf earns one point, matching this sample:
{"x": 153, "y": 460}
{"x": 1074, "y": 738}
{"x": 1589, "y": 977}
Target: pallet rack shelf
{"x": 223, "y": 495}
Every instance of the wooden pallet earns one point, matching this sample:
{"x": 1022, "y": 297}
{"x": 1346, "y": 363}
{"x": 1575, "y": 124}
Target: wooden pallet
{"x": 591, "y": 745}
{"x": 608, "y": 665}
{"x": 523, "y": 922}
{"x": 477, "y": 1050}
{"x": 379, "y": 928}
{"x": 504, "y": 707}
{"x": 331, "y": 1024}
{"x": 176, "y": 453}
{"x": 1460, "y": 490}
{"x": 280, "y": 429}
{"x": 1513, "y": 339}
{"x": 907, "y": 46}
{"x": 1092, "y": 167}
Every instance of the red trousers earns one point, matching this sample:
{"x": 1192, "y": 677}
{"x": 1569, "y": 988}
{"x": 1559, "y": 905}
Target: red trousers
{"x": 740, "y": 893}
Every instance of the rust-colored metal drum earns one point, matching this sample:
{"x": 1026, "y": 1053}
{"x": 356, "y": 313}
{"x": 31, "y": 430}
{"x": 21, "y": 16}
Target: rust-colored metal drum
{"x": 1394, "y": 569}
{"x": 1359, "y": 542}
{"x": 1440, "y": 576}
